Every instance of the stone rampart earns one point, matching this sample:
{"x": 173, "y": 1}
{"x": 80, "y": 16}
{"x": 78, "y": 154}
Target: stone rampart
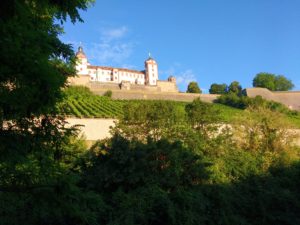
{"x": 167, "y": 86}
{"x": 79, "y": 80}
{"x": 183, "y": 97}
{"x": 289, "y": 98}
{"x": 162, "y": 86}
{"x": 165, "y": 90}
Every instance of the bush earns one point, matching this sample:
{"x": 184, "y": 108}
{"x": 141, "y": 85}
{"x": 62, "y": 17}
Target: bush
{"x": 243, "y": 102}
{"x": 108, "y": 93}
{"x": 233, "y": 100}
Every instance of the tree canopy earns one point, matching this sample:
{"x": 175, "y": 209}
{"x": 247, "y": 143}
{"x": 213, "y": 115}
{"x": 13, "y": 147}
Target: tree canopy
{"x": 37, "y": 185}
{"x": 34, "y": 62}
{"x": 235, "y": 88}
{"x": 272, "y": 82}
{"x": 218, "y": 88}
{"x": 193, "y": 88}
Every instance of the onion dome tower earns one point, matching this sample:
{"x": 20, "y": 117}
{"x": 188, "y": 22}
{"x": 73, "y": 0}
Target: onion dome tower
{"x": 81, "y": 62}
{"x": 151, "y": 71}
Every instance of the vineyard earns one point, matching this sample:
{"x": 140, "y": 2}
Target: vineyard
{"x": 80, "y": 102}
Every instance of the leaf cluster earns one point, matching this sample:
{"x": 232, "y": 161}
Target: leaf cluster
{"x": 272, "y": 82}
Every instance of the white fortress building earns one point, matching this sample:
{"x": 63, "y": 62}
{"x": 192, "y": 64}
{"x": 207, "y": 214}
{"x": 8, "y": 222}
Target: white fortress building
{"x": 111, "y": 75}
{"x": 149, "y": 76}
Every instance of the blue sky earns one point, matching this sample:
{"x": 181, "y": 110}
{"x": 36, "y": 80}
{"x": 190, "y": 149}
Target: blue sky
{"x": 208, "y": 41}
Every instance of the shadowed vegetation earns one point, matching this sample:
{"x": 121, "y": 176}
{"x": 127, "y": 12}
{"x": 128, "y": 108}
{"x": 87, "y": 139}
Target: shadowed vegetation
{"x": 166, "y": 163}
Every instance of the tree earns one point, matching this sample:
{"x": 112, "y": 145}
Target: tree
{"x": 154, "y": 119}
{"x": 31, "y": 74}
{"x": 193, "y": 88}
{"x": 218, "y": 88}
{"x": 283, "y": 84}
{"x": 263, "y": 130}
{"x": 202, "y": 116}
{"x": 36, "y": 182}
{"x": 146, "y": 183}
{"x": 272, "y": 82}
{"x": 235, "y": 87}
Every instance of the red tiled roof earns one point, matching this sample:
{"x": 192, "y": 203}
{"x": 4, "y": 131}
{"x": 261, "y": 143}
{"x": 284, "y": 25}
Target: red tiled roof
{"x": 112, "y": 68}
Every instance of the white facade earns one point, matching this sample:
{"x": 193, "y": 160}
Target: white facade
{"x": 151, "y": 71}
{"x": 117, "y": 75}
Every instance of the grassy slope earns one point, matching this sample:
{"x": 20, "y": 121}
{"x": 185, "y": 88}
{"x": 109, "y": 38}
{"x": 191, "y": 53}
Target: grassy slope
{"x": 82, "y": 103}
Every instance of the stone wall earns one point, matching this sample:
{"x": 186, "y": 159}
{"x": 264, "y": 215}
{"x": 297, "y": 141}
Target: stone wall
{"x": 289, "y": 98}
{"x": 79, "y": 80}
{"x": 162, "y": 86}
{"x": 97, "y": 129}
{"x": 93, "y": 129}
{"x": 183, "y": 97}
{"x": 167, "y": 86}
{"x": 165, "y": 90}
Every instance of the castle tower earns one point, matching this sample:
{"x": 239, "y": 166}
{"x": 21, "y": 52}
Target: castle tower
{"x": 81, "y": 62}
{"x": 151, "y": 71}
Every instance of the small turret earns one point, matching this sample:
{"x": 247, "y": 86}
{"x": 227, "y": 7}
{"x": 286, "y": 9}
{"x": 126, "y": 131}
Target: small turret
{"x": 172, "y": 79}
{"x": 80, "y": 53}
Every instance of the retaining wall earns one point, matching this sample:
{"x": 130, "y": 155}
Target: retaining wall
{"x": 183, "y": 97}
{"x": 289, "y": 98}
{"x": 97, "y": 129}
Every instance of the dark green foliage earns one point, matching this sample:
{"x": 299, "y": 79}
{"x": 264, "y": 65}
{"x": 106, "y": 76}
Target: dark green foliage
{"x": 167, "y": 163}
{"x": 235, "y": 88}
{"x": 108, "y": 94}
{"x": 272, "y": 82}
{"x": 34, "y": 62}
{"x": 158, "y": 182}
{"x": 193, "y": 88}
{"x": 218, "y": 88}
{"x": 233, "y": 100}
{"x": 145, "y": 183}
{"x": 37, "y": 184}
{"x": 200, "y": 113}
{"x": 202, "y": 117}
{"x": 243, "y": 102}
{"x": 158, "y": 119}
{"x": 159, "y": 163}
{"x": 267, "y": 199}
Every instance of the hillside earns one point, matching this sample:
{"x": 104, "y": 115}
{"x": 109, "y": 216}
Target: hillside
{"x": 80, "y": 102}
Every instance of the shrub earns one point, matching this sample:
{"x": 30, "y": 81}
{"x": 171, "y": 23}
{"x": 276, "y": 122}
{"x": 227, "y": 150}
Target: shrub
{"x": 108, "y": 93}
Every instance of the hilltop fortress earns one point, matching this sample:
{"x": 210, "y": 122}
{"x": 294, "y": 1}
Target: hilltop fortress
{"x": 121, "y": 78}
{"x": 134, "y": 84}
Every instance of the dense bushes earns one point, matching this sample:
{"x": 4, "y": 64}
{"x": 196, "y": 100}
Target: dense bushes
{"x": 165, "y": 183}
{"x": 157, "y": 171}
{"x": 243, "y": 102}
{"x": 165, "y": 164}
